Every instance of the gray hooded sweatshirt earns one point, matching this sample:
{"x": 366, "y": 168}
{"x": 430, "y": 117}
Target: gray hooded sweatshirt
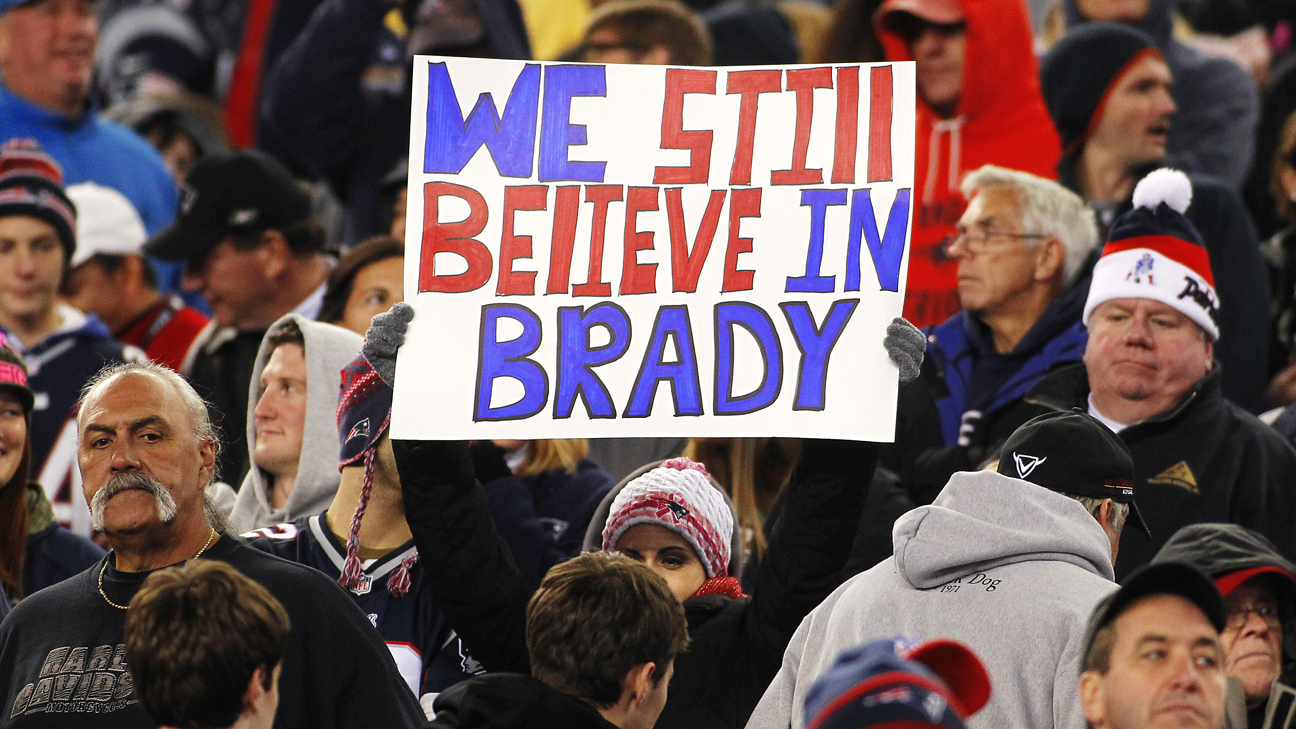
{"x": 1007, "y": 567}
{"x": 328, "y": 350}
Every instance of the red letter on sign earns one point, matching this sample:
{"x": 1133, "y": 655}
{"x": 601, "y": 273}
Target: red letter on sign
{"x": 680, "y": 81}
{"x": 454, "y": 238}
{"x": 751, "y": 84}
{"x": 686, "y": 266}
{"x": 847, "y": 125}
{"x": 601, "y": 196}
{"x": 566, "y": 210}
{"x": 879, "y": 168}
{"x": 513, "y": 247}
{"x": 804, "y": 81}
{"x": 638, "y": 278}
{"x": 742, "y": 204}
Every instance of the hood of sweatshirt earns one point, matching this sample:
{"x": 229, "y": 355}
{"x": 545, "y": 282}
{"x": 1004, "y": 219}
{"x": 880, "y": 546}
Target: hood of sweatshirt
{"x": 1001, "y": 119}
{"x": 328, "y": 349}
{"x": 983, "y": 519}
{"x": 594, "y": 533}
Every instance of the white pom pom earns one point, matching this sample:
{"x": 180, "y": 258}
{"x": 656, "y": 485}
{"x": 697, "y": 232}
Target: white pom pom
{"x": 1164, "y": 186}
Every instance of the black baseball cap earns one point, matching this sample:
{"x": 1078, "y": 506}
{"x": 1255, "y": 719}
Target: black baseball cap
{"x": 1161, "y": 578}
{"x": 1071, "y": 452}
{"x": 237, "y": 191}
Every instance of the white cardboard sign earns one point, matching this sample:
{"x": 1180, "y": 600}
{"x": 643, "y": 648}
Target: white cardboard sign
{"x": 617, "y": 251}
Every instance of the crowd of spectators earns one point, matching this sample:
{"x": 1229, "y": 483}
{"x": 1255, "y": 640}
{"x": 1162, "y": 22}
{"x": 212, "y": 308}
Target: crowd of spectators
{"x": 1088, "y": 515}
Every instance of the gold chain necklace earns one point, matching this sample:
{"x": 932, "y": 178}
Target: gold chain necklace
{"x": 103, "y": 569}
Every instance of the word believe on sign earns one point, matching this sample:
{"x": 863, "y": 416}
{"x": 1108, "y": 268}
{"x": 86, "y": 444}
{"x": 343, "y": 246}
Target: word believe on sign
{"x": 646, "y": 251}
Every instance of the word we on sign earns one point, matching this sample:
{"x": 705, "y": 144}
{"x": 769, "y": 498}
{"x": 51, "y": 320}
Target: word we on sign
{"x": 616, "y": 250}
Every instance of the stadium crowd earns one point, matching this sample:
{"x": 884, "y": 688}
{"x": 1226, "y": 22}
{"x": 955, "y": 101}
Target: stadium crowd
{"x": 1087, "y": 517}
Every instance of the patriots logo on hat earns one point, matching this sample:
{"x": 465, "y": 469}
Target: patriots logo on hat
{"x": 359, "y": 430}
{"x": 1201, "y": 295}
{"x": 1026, "y": 464}
{"x": 243, "y": 217}
{"x": 676, "y": 510}
{"x": 889, "y": 696}
{"x": 1141, "y": 269}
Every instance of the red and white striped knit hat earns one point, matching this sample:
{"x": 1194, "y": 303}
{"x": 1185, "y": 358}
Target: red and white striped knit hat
{"x": 677, "y": 495}
{"x": 1154, "y": 252}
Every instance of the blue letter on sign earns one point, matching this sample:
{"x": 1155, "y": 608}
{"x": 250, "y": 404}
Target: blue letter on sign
{"x": 673, "y": 322}
{"x": 816, "y": 344}
{"x": 758, "y": 324}
{"x": 576, "y": 360}
{"x": 509, "y": 359}
{"x": 886, "y": 249}
{"x": 557, "y": 133}
{"x": 450, "y": 141}
{"x": 812, "y": 282}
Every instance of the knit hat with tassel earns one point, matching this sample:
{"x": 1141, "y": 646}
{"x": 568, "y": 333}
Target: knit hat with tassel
{"x": 364, "y": 411}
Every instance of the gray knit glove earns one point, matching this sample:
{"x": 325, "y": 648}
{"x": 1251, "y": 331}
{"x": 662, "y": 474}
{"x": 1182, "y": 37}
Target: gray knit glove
{"x": 386, "y": 334}
{"x": 905, "y": 345}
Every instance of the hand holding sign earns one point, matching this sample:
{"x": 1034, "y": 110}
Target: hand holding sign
{"x": 904, "y": 343}
{"x": 646, "y": 251}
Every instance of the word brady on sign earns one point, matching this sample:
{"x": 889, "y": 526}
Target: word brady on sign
{"x": 600, "y": 251}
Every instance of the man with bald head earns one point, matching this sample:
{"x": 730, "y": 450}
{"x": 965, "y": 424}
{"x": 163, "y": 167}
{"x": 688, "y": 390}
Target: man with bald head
{"x": 147, "y": 452}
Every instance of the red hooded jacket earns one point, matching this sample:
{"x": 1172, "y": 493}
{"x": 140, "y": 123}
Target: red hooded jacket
{"x": 1001, "y": 120}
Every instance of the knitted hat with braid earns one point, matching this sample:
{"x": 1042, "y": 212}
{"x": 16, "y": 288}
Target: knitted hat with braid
{"x": 364, "y": 411}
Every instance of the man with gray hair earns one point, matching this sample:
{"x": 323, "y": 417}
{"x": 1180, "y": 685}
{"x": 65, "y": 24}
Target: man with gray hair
{"x": 147, "y": 451}
{"x": 1024, "y": 250}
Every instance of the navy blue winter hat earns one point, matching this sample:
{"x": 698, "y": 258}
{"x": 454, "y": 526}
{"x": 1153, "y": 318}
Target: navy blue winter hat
{"x": 884, "y": 683}
{"x": 1078, "y": 74}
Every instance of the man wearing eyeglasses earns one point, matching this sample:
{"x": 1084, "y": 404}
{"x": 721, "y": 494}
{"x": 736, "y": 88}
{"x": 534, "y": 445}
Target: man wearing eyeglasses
{"x": 1259, "y": 588}
{"x": 1022, "y": 250}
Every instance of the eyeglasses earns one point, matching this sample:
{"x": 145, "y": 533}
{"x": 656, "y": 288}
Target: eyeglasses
{"x": 1272, "y": 613}
{"x": 979, "y": 241}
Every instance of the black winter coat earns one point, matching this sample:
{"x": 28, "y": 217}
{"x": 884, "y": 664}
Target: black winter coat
{"x": 736, "y": 645}
{"x": 1206, "y": 460}
{"x": 512, "y": 701}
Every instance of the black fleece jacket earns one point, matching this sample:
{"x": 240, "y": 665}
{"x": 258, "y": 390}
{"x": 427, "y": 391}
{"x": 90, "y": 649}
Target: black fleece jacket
{"x": 737, "y": 645}
{"x": 1206, "y": 460}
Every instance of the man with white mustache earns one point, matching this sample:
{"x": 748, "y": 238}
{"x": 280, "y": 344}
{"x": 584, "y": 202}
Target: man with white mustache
{"x": 147, "y": 452}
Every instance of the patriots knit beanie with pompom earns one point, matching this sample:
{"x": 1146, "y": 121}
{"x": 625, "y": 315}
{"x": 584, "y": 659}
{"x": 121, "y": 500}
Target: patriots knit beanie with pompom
{"x": 677, "y": 495}
{"x": 1154, "y": 252}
